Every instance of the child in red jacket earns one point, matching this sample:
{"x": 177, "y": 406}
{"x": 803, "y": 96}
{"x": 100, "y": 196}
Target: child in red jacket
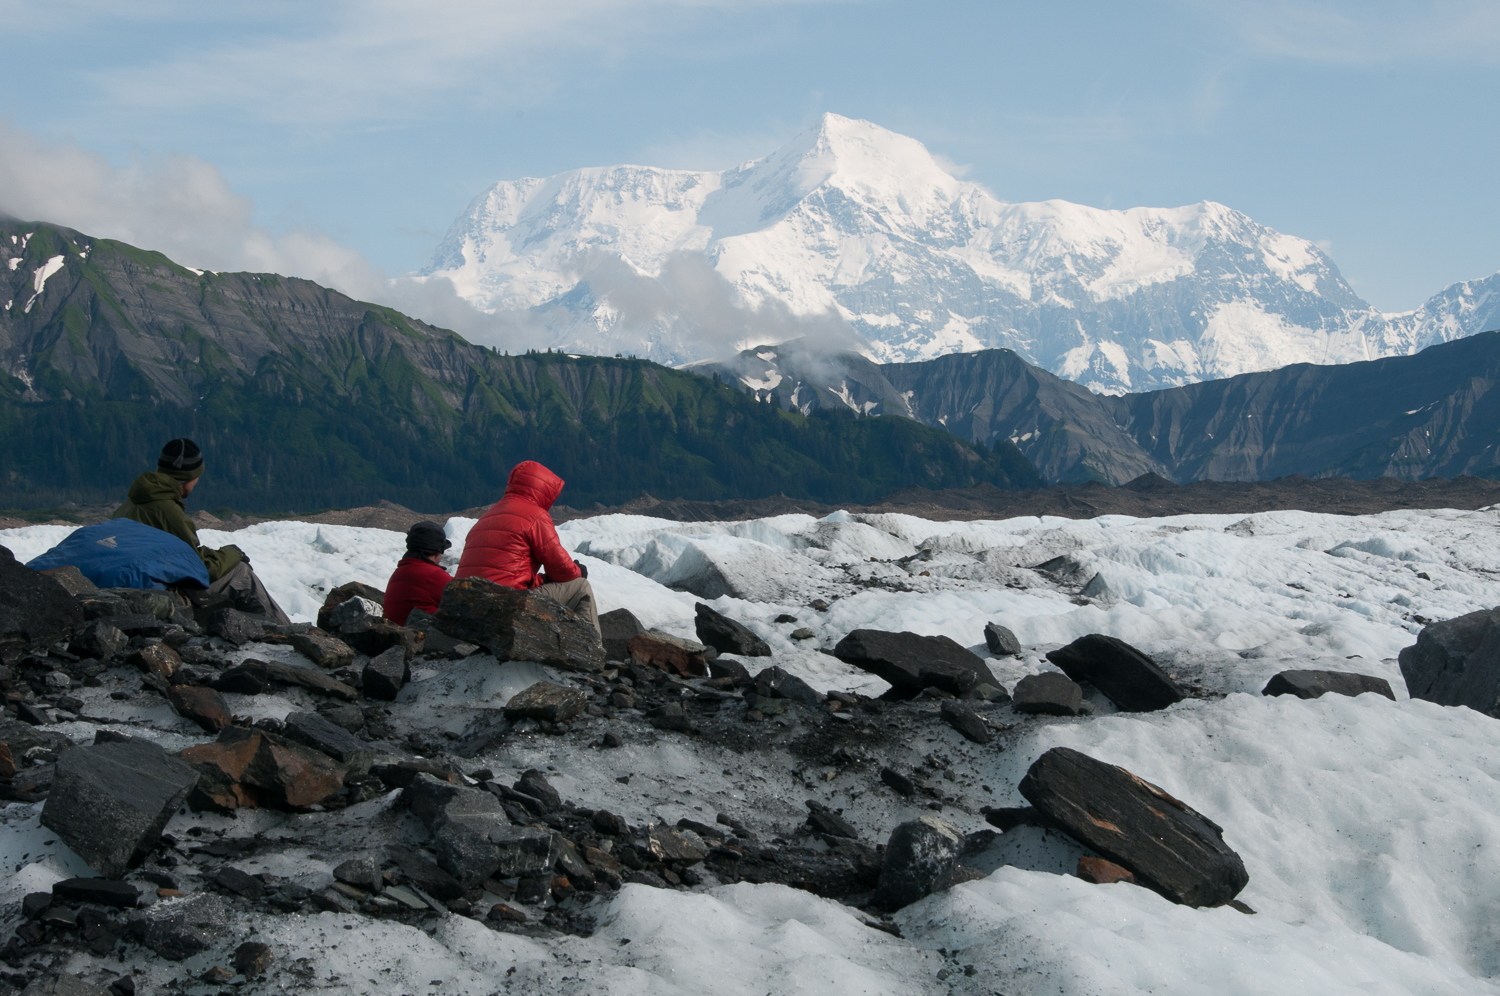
{"x": 418, "y": 582}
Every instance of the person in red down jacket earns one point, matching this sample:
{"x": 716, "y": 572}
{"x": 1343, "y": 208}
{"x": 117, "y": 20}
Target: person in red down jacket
{"x": 418, "y": 582}
{"x": 516, "y": 538}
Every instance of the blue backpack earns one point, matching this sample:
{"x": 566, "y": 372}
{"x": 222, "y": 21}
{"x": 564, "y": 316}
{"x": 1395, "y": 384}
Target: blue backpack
{"x": 123, "y": 553}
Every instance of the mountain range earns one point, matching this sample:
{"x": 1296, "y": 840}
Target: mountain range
{"x": 850, "y": 228}
{"x": 303, "y": 398}
{"x": 1434, "y": 414}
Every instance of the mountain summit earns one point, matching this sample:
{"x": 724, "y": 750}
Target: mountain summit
{"x": 852, "y": 220}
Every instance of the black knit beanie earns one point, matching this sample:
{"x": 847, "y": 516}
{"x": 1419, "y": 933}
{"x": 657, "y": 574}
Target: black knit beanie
{"x": 426, "y": 538}
{"x": 182, "y": 459}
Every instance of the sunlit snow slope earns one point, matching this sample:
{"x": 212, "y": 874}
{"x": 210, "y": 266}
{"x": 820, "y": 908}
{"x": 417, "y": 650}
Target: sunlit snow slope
{"x": 851, "y": 217}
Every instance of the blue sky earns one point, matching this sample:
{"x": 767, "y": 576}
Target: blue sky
{"x": 312, "y": 137}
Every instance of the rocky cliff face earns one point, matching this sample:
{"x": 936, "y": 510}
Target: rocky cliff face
{"x": 305, "y": 398}
{"x": 1407, "y": 417}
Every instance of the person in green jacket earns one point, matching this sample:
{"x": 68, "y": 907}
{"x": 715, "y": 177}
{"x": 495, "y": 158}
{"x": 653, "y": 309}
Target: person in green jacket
{"x": 157, "y": 498}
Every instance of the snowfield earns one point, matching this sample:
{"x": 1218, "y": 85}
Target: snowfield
{"x": 1370, "y": 828}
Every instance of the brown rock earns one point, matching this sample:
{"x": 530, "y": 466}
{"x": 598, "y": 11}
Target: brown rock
{"x": 157, "y": 658}
{"x": 343, "y": 593}
{"x": 328, "y": 652}
{"x": 252, "y": 768}
{"x": 669, "y": 653}
{"x": 1102, "y": 872}
{"x": 7, "y": 764}
{"x": 517, "y": 625}
{"x": 547, "y": 701}
{"x": 72, "y": 579}
{"x": 203, "y": 706}
{"x": 306, "y": 677}
{"x": 252, "y": 959}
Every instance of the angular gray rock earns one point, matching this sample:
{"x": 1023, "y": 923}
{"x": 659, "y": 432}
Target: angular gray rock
{"x": 110, "y": 802}
{"x": 919, "y": 860}
{"x": 102, "y": 891}
{"x": 726, "y": 635}
{"x": 1127, "y": 677}
{"x": 1048, "y": 694}
{"x": 779, "y": 683}
{"x": 362, "y": 873}
{"x": 546, "y": 700}
{"x": 517, "y": 625}
{"x": 386, "y": 674}
{"x": 618, "y": 627}
{"x": 1169, "y": 846}
{"x": 523, "y": 851}
{"x": 247, "y": 678}
{"x": 1314, "y": 684}
{"x": 313, "y": 730}
{"x": 35, "y": 611}
{"x": 179, "y": 928}
{"x": 1457, "y": 662}
{"x": 961, "y": 716}
{"x": 235, "y": 626}
{"x": 460, "y": 820}
{"x": 1001, "y": 641}
{"x": 98, "y": 639}
{"x": 911, "y": 662}
{"x": 533, "y": 783}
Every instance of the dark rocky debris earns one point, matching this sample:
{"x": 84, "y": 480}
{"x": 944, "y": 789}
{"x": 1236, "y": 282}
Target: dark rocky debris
{"x": 912, "y": 663}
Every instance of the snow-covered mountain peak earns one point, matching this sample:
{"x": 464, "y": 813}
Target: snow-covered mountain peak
{"x": 853, "y": 219}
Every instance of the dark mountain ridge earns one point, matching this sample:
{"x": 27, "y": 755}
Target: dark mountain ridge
{"x": 304, "y": 398}
{"x": 1433, "y": 414}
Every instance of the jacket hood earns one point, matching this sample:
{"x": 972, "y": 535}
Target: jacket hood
{"x": 533, "y": 482}
{"x": 153, "y": 485}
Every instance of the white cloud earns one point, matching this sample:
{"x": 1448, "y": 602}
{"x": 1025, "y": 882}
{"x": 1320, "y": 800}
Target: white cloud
{"x": 1367, "y": 31}
{"x": 369, "y": 60}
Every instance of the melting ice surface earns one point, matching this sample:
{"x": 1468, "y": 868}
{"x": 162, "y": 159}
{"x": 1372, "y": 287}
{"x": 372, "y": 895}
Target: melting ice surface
{"x": 1369, "y": 827}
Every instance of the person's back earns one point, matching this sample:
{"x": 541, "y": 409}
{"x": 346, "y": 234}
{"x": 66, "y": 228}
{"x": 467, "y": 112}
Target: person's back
{"x": 419, "y": 580}
{"x": 516, "y": 539}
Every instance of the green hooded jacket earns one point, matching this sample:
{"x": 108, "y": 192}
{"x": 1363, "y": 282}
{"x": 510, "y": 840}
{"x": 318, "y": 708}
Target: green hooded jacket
{"x": 156, "y": 500}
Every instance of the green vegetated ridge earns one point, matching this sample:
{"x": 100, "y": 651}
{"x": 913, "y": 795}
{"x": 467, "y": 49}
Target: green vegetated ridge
{"x": 304, "y": 398}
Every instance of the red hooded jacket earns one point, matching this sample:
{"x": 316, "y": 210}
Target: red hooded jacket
{"x": 516, "y": 536}
{"x": 417, "y": 584}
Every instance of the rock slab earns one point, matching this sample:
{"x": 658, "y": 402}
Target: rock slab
{"x": 911, "y": 662}
{"x": 618, "y": 627}
{"x": 311, "y": 729}
{"x": 1127, "y": 677}
{"x": 517, "y": 625}
{"x": 1168, "y": 846}
{"x": 669, "y": 653}
{"x": 726, "y": 635}
{"x": 386, "y": 674}
{"x": 1457, "y": 662}
{"x": 545, "y": 700}
{"x": 255, "y": 769}
{"x": 1315, "y": 684}
{"x": 110, "y": 802}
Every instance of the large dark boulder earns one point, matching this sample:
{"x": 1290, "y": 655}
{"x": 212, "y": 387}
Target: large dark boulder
{"x": 35, "y": 611}
{"x": 1170, "y": 847}
{"x": 1001, "y": 641}
{"x": 110, "y": 802}
{"x": 911, "y": 662}
{"x": 919, "y": 860}
{"x": 727, "y": 636}
{"x": 1127, "y": 677}
{"x": 253, "y": 768}
{"x": 1457, "y": 662}
{"x": 618, "y": 627}
{"x": 517, "y": 625}
{"x": 1314, "y": 684}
